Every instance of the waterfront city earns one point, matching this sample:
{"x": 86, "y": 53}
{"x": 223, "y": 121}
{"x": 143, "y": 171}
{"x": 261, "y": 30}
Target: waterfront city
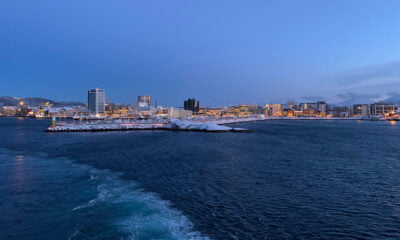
{"x": 199, "y": 120}
{"x": 99, "y": 106}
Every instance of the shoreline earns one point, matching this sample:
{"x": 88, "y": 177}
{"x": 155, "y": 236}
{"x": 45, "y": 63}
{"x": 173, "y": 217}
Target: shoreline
{"x": 227, "y": 119}
{"x": 214, "y": 119}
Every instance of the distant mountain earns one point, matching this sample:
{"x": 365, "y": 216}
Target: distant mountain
{"x": 35, "y": 101}
{"x": 393, "y": 97}
{"x": 351, "y": 98}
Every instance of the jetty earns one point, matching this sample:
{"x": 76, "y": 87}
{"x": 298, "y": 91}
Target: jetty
{"x": 211, "y": 124}
{"x": 120, "y": 125}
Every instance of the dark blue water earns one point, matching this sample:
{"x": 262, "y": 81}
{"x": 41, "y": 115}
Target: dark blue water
{"x": 287, "y": 180}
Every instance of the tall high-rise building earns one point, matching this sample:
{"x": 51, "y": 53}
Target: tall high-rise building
{"x": 96, "y": 101}
{"x": 322, "y": 107}
{"x": 144, "y": 99}
{"x": 274, "y": 110}
{"x": 192, "y": 105}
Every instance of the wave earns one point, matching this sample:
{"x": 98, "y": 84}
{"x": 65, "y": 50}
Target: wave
{"x": 113, "y": 208}
{"x": 150, "y": 217}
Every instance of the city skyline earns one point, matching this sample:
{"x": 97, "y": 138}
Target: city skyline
{"x": 99, "y": 107}
{"x": 225, "y": 52}
{"x": 349, "y": 99}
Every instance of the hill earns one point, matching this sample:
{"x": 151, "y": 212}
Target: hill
{"x": 35, "y": 101}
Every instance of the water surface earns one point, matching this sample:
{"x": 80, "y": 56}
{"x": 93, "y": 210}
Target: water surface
{"x": 287, "y": 180}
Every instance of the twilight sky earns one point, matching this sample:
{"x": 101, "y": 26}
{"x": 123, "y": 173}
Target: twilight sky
{"x": 218, "y": 51}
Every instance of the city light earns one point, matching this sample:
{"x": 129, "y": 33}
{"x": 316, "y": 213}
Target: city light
{"x": 98, "y": 107}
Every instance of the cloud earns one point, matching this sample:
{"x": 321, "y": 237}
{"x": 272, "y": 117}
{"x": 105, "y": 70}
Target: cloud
{"x": 380, "y": 78}
{"x": 350, "y": 98}
{"x": 313, "y": 98}
{"x": 363, "y": 85}
{"x": 380, "y": 74}
{"x": 393, "y": 97}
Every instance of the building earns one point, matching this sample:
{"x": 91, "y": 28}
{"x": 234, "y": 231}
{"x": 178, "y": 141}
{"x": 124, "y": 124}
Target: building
{"x": 228, "y": 111}
{"x": 292, "y": 106}
{"x": 8, "y": 111}
{"x": 162, "y": 112}
{"x": 361, "y": 110}
{"x": 341, "y": 112}
{"x": 117, "y": 110}
{"x": 192, "y": 105}
{"x": 144, "y": 101}
{"x": 96, "y": 101}
{"x": 308, "y": 106}
{"x": 216, "y": 112}
{"x": 273, "y": 110}
{"x": 381, "y": 109}
{"x": 257, "y": 109}
{"x": 242, "y": 110}
{"x": 179, "y": 113}
{"x": 322, "y": 107}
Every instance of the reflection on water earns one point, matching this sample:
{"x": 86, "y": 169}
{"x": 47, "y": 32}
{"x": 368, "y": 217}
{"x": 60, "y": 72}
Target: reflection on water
{"x": 19, "y": 158}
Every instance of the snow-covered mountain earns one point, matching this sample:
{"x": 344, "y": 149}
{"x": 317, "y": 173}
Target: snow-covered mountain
{"x": 35, "y": 101}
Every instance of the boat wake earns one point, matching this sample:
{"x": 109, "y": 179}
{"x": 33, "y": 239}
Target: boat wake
{"x": 139, "y": 214}
{"x": 82, "y": 202}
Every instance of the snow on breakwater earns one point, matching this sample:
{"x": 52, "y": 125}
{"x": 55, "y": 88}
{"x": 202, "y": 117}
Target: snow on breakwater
{"x": 119, "y": 125}
{"x": 88, "y": 127}
{"x": 207, "y": 124}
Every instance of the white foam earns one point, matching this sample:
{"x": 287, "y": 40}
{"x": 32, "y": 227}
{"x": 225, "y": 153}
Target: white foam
{"x": 150, "y": 212}
{"x": 153, "y": 214}
{"x": 74, "y": 234}
{"x": 91, "y": 203}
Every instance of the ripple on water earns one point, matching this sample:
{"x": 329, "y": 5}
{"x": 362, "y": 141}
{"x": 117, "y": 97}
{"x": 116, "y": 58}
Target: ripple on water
{"x": 80, "y": 202}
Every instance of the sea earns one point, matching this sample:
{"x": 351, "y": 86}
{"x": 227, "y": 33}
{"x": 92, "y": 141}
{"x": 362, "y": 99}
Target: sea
{"x": 288, "y": 179}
